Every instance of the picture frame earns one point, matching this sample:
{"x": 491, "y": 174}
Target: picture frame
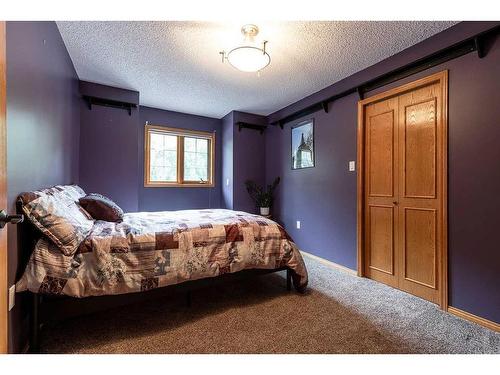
{"x": 302, "y": 145}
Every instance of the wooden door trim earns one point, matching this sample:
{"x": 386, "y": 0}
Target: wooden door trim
{"x": 442, "y": 78}
{"x": 444, "y": 206}
{"x": 433, "y": 78}
{"x": 3, "y": 191}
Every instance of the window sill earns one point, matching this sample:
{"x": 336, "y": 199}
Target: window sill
{"x": 176, "y": 185}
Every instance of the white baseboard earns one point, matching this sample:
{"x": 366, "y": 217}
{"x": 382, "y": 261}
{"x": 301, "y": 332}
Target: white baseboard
{"x": 329, "y": 263}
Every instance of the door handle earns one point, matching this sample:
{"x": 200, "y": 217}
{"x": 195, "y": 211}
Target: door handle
{"x": 12, "y": 219}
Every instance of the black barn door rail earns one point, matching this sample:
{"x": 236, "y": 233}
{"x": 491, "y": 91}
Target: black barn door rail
{"x": 475, "y": 43}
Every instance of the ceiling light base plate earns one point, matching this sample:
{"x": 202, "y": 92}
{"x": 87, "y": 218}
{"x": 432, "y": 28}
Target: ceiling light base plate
{"x": 250, "y": 30}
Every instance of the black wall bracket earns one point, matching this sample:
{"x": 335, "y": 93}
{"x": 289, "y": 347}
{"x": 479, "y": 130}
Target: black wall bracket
{"x": 475, "y": 43}
{"x": 325, "y": 106}
{"x": 247, "y": 125}
{"x": 478, "y": 44}
{"x": 91, "y": 100}
{"x": 360, "y": 92}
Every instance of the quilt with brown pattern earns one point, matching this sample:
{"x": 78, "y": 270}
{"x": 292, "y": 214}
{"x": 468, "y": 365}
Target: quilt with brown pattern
{"x": 153, "y": 249}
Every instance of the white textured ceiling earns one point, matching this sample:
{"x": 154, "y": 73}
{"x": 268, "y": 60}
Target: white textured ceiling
{"x": 176, "y": 65}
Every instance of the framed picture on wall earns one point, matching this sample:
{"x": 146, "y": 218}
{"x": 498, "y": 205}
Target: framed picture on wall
{"x": 303, "y": 145}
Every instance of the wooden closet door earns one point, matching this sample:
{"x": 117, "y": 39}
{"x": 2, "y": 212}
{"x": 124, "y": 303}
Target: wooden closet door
{"x": 402, "y": 149}
{"x": 421, "y": 133}
{"x": 381, "y": 192}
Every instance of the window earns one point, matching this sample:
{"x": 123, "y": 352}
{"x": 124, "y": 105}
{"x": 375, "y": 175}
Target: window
{"x": 178, "y": 157}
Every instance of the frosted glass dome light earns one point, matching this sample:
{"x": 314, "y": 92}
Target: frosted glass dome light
{"x": 248, "y": 57}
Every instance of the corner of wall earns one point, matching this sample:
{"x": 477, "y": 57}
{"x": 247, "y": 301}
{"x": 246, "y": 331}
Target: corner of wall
{"x": 227, "y": 160}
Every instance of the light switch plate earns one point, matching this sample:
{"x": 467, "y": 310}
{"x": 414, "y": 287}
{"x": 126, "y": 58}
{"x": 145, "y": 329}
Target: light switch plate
{"x": 352, "y": 166}
{"x": 298, "y": 224}
{"x": 12, "y": 297}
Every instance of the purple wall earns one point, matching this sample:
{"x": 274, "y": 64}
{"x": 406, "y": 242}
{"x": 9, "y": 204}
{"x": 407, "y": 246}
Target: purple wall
{"x": 112, "y": 155}
{"x": 227, "y": 125}
{"x": 108, "y": 148}
{"x": 248, "y": 159}
{"x": 243, "y": 158}
{"x": 167, "y": 198}
{"x": 42, "y": 131}
{"x": 324, "y": 197}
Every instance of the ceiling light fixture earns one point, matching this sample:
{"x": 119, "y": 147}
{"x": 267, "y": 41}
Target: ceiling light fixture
{"x": 249, "y": 57}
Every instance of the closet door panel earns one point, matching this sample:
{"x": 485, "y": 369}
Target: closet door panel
{"x": 420, "y": 150}
{"x": 381, "y": 154}
{"x": 420, "y": 145}
{"x": 381, "y": 166}
{"x": 420, "y": 250}
{"x": 381, "y": 219}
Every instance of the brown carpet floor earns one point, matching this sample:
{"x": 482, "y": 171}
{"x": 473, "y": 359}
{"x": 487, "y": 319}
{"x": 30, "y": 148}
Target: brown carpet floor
{"x": 340, "y": 313}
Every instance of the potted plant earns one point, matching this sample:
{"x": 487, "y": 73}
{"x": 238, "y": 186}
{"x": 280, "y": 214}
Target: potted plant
{"x": 263, "y": 198}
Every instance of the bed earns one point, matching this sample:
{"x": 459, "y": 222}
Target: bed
{"x": 145, "y": 251}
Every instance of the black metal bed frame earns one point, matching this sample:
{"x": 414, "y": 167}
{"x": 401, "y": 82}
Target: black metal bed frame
{"x": 28, "y": 235}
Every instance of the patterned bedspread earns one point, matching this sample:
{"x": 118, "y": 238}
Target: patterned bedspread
{"x": 151, "y": 250}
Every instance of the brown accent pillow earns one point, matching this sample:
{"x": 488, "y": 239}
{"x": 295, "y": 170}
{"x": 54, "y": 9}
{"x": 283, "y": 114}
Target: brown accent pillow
{"x": 101, "y": 208}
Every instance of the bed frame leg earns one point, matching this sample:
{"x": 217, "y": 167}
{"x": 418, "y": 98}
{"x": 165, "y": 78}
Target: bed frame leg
{"x": 288, "y": 280}
{"x": 35, "y": 324}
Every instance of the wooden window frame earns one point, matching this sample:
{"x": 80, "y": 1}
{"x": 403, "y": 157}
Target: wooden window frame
{"x": 180, "y": 133}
